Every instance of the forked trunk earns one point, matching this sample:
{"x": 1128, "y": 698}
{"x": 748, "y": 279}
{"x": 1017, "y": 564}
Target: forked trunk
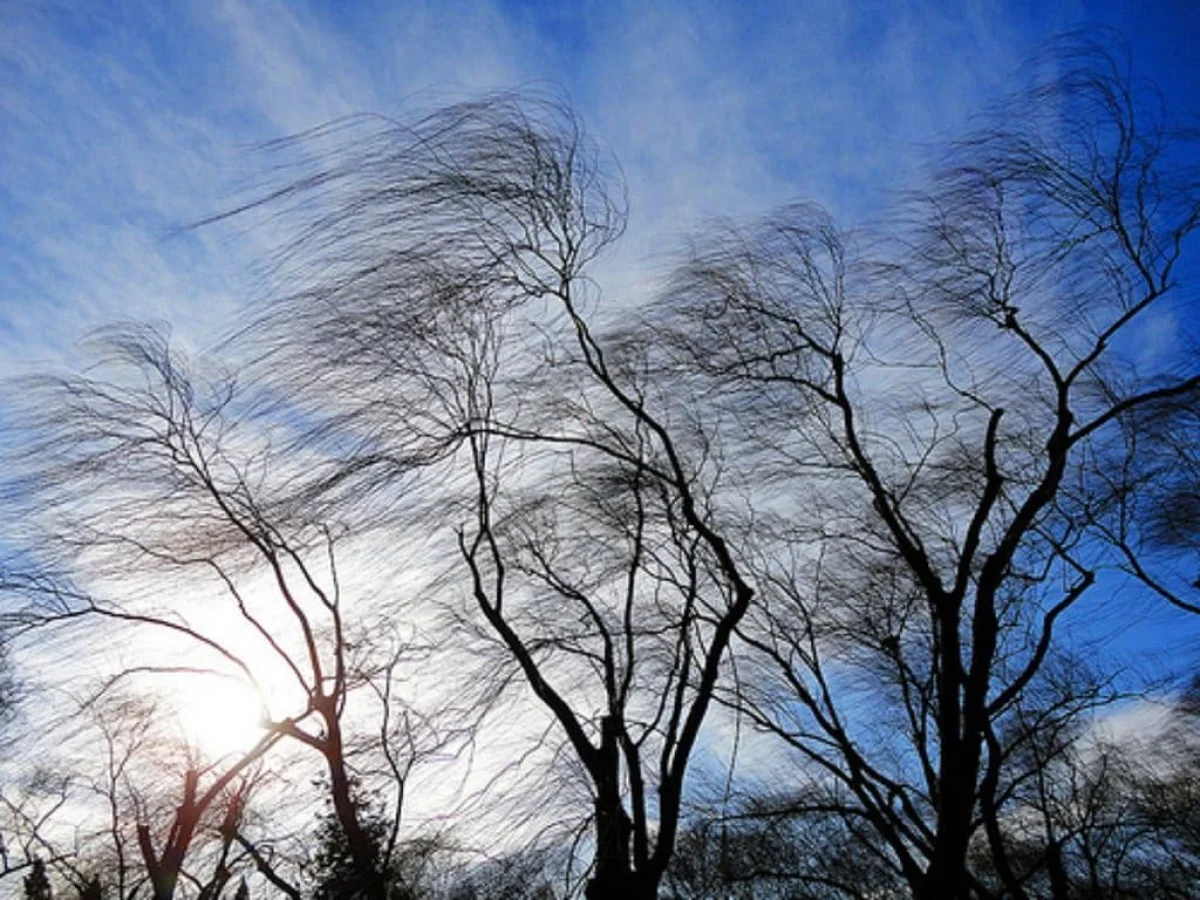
{"x": 614, "y": 877}
{"x": 622, "y": 886}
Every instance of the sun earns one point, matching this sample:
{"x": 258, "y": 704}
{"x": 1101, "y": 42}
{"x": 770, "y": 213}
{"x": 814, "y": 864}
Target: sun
{"x": 220, "y": 715}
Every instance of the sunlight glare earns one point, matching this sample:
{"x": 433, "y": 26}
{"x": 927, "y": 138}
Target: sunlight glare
{"x": 220, "y": 716}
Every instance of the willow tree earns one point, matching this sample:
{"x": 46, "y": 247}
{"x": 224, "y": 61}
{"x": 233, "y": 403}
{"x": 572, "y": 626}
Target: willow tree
{"x": 880, "y": 468}
{"x": 166, "y": 544}
{"x": 874, "y": 460}
{"x": 938, "y": 423}
{"x": 439, "y": 335}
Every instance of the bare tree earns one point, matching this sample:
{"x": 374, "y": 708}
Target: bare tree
{"x": 116, "y": 803}
{"x": 441, "y": 322}
{"x": 1110, "y": 814}
{"x": 871, "y": 472}
{"x": 783, "y": 845}
{"x": 892, "y": 441}
{"x": 25, "y": 811}
{"x": 922, "y": 416}
{"x": 144, "y": 489}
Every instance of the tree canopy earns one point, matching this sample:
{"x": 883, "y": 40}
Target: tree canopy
{"x": 762, "y": 582}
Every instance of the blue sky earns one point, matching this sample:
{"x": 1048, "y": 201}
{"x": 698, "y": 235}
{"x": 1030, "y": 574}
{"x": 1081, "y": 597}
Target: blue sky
{"x": 121, "y": 120}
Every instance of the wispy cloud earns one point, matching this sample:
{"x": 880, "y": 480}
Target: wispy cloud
{"x": 122, "y": 121}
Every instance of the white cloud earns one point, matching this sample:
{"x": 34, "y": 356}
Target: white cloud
{"x": 127, "y": 119}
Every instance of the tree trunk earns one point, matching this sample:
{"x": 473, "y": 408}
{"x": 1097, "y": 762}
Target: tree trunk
{"x": 622, "y": 886}
{"x": 363, "y": 850}
{"x": 1060, "y": 886}
{"x": 614, "y": 877}
{"x": 164, "y": 869}
{"x": 613, "y": 830}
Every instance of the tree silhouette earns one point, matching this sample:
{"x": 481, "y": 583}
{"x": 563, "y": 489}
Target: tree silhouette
{"x": 37, "y": 885}
{"x": 884, "y": 462}
{"x": 196, "y": 503}
{"x": 935, "y": 412}
{"x": 440, "y": 332}
{"x": 843, "y": 485}
{"x": 337, "y": 868}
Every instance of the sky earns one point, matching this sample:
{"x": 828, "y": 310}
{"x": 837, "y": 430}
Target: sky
{"x": 122, "y": 121}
